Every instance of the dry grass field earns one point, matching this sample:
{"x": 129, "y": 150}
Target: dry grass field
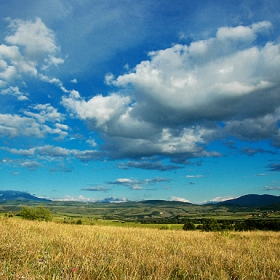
{"x": 40, "y": 250}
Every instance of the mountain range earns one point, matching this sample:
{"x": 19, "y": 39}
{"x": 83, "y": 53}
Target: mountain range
{"x": 253, "y": 200}
{"x": 18, "y": 195}
{"x": 249, "y": 200}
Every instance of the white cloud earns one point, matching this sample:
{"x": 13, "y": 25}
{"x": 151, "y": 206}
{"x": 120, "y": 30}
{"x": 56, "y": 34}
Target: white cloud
{"x": 170, "y": 104}
{"x": 15, "y": 92}
{"x": 124, "y": 181}
{"x": 81, "y": 198}
{"x": 99, "y": 110}
{"x": 20, "y": 152}
{"x": 35, "y": 38}
{"x": 16, "y": 125}
{"x": 31, "y": 165}
{"x": 219, "y": 199}
{"x": 47, "y": 113}
{"x": 194, "y": 176}
{"x": 30, "y": 49}
{"x": 180, "y": 199}
{"x": 92, "y": 142}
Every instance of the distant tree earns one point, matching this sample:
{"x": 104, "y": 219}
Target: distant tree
{"x": 79, "y": 222}
{"x": 36, "y": 213}
{"x": 210, "y": 225}
{"x": 227, "y": 225}
{"x": 189, "y": 225}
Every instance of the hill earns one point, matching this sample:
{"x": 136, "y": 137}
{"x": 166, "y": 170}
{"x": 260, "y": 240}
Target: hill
{"x": 253, "y": 200}
{"x": 19, "y": 196}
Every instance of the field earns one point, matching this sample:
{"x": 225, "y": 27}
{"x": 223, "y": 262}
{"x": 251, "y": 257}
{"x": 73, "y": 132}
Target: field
{"x": 40, "y": 250}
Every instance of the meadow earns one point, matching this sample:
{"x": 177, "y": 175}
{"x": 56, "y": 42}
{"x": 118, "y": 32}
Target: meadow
{"x": 48, "y": 250}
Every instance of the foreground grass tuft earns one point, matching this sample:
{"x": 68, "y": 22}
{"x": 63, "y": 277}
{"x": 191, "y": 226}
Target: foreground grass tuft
{"x": 40, "y": 250}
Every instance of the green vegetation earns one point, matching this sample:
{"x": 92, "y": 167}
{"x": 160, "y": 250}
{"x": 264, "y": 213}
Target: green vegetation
{"x": 149, "y": 214}
{"x": 36, "y": 213}
{"x": 237, "y": 225}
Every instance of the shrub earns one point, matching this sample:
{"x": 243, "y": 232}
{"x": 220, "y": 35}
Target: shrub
{"x": 189, "y": 225}
{"x": 36, "y": 213}
{"x": 210, "y": 225}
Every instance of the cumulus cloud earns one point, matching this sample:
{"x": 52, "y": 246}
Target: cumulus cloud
{"x": 46, "y": 113}
{"x": 55, "y": 152}
{"x": 180, "y": 199}
{"x": 20, "y": 152}
{"x": 12, "y": 125}
{"x": 174, "y": 103}
{"x": 30, "y": 49}
{"x": 31, "y": 165}
{"x": 35, "y": 38}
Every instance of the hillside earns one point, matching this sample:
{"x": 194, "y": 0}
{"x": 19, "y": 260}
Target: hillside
{"x": 10, "y": 195}
{"x": 148, "y": 210}
{"x": 253, "y": 200}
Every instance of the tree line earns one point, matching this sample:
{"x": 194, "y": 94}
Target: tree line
{"x": 212, "y": 224}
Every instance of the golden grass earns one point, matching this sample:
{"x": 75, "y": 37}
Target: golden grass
{"x": 40, "y": 250}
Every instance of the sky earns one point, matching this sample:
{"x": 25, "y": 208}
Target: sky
{"x": 138, "y": 100}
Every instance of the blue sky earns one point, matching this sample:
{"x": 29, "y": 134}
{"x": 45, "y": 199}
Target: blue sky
{"x": 135, "y": 100}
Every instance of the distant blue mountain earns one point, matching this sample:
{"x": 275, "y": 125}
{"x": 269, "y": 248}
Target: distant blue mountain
{"x": 253, "y": 200}
{"x": 17, "y": 195}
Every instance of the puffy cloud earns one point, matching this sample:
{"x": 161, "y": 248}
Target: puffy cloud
{"x": 16, "y": 126}
{"x": 14, "y": 91}
{"x": 180, "y": 199}
{"x": 170, "y": 103}
{"x": 34, "y": 37}
{"x": 30, "y": 49}
{"x": 47, "y": 113}
{"x": 31, "y": 165}
{"x": 53, "y": 152}
{"x": 206, "y": 80}
{"x": 185, "y": 96}
{"x": 99, "y": 111}
{"x": 20, "y": 152}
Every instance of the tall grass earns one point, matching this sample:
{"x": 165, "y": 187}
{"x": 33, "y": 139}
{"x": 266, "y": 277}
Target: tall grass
{"x": 40, "y": 250}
